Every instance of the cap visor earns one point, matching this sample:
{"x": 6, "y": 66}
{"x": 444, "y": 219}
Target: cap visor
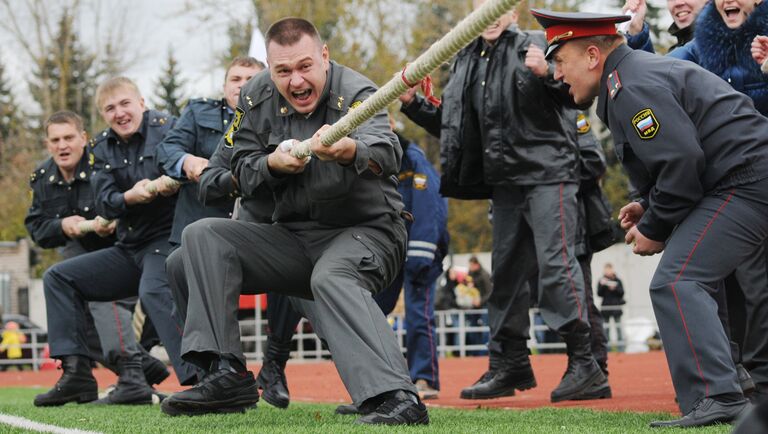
{"x": 551, "y": 51}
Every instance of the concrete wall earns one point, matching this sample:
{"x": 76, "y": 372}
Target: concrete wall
{"x": 14, "y": 260}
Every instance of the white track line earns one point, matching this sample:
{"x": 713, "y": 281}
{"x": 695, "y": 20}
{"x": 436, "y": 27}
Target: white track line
{"x": 31, "y": 425}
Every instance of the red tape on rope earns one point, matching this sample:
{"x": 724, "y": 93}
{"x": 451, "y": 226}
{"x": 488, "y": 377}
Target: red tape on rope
{"x": 426, "y": 88}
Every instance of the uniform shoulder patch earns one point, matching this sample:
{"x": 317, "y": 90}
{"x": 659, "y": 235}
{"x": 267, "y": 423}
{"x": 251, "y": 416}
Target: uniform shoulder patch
{"x": 582, "y": 124}
{"x": 354, "y": 105}
{"x": 614, "y": 84}
{"x": 229, "y": 137}
{"x": 420, "y": 181}
{"x": 645, "y": 123}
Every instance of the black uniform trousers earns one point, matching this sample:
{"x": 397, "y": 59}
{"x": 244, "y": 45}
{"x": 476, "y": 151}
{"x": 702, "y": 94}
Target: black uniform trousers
{"x": 718, "y": 235}
{"x": 330, "y": 273}
{"x": 112, "y": 274}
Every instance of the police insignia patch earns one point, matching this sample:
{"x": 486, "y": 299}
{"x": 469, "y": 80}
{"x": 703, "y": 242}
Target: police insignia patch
{"x": 420, "y": 181}
{"x": 614, "y": 84}
{"x": 582, "y": 124}
{"x": 229, "y": 136}
{"x": 646, "y": 124}
{"x": 354, "y": 105}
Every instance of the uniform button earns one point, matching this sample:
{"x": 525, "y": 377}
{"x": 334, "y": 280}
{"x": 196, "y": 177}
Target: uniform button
{"x": 157, "y": 250}
{"x": 57, "y": 215}
{"x": 125, "y": 161}
{"x": 130, "y": 228}
{"x": 520, "y": 82}
{"x": 141, "y": 158}
{"x": 107, "y": 166}
{"x": 483, "y": 83}
{"x": 487, "y": 151}
{"x": 69, "y": 188}
{"x": 86, "y": 209}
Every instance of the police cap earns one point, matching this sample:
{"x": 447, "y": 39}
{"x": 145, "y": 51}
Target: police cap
{"x": 561, "y": 27}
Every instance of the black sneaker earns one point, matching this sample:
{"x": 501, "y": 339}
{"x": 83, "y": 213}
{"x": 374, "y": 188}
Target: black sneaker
{"x": 367, "y": 407}
{"x": 400, "y": 408}
{"x": 707, "y": 412}
{"x": 222, "y": 391}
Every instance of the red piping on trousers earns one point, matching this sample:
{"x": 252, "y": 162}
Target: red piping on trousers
{"x": 565, "y": 252}
{"x": 677, "y": 300}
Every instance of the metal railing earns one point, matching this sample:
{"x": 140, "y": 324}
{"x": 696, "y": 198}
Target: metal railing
{"x": 459, "y": 332}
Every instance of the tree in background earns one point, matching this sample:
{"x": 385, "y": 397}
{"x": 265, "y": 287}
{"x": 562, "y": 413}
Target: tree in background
{"x": 169, "y": 92}
{"x": 65, "y": 76}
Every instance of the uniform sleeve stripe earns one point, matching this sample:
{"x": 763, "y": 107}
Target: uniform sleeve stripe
{"x": 421, "y": 253}
{"x": 422, "y": 245}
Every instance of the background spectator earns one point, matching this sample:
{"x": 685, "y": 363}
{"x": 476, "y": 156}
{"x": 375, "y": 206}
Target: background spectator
{"x": 609, "y": 287}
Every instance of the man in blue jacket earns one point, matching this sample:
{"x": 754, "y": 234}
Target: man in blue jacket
{"x": 427, "y": 246}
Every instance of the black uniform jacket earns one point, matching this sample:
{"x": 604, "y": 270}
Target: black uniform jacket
{"x": 54, "y": 199}
{"x": 197, "y": 132}
{"x": 118, "y": 166}
{"x": 528, "y": 139}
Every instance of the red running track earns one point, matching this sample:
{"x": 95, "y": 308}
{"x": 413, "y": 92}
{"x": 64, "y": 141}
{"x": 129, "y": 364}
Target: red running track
{"x": 640, "y": 382}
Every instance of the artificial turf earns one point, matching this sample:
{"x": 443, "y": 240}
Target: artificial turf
{"x": 312, "y": 418}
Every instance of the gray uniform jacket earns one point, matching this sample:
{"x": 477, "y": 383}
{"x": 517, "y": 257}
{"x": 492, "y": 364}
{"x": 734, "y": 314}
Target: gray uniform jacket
{"x": 197, "y": 132}
{"x": 681, "y": 132}
{"x": 217, "y": 188}
{"x": 326, "y": 194}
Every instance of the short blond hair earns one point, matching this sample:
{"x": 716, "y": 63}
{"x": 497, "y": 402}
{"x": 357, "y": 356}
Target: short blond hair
{"x": 111, "y": 85}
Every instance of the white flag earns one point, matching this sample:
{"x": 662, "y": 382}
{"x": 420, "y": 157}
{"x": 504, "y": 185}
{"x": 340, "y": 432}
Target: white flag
{"x": 257, "y": 49}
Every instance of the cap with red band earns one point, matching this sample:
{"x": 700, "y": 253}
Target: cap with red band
{"x": 563, "y": 26}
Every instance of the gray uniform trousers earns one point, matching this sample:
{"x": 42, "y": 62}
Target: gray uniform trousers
{"x": 719, "y": 234}
{"x": 112, "y": 323}
{"x": 752, "y": 327}
{"x": 335, "y": 270}
{"x": 534, "y": 228}
{"x": 110, "y": 274}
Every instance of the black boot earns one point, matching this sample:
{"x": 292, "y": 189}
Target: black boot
{"x": 76, "y": 384}
{"x": 271, "y": 378}
{"x": 508, "y": 371}
{"x": 155, "y": 371}
{"x": 224, "y": 389}
{"x": 132, "y": 387}
{"x": 583, "y": 371}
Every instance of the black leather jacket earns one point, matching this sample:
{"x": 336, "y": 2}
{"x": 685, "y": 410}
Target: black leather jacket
{"x": 528, "y": 140}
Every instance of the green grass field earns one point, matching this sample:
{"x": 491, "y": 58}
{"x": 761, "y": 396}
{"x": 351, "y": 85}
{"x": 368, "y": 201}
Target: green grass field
{"x": 310, "y": 418}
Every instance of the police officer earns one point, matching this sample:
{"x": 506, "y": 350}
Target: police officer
{"x": 184, "y": 152}
{"x": 697, "y": 151}
{"x": 504, "y": 136}
{"x": 123, "y": 163}
{"x": 62, "y": 198}
{"x": 338, "y": 235}
{"x": 218, "y": 189}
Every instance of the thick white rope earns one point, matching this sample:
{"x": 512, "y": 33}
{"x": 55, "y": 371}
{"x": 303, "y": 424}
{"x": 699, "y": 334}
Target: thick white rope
{"x": 441, "y": 51}
{"x": 87, "y": 226}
